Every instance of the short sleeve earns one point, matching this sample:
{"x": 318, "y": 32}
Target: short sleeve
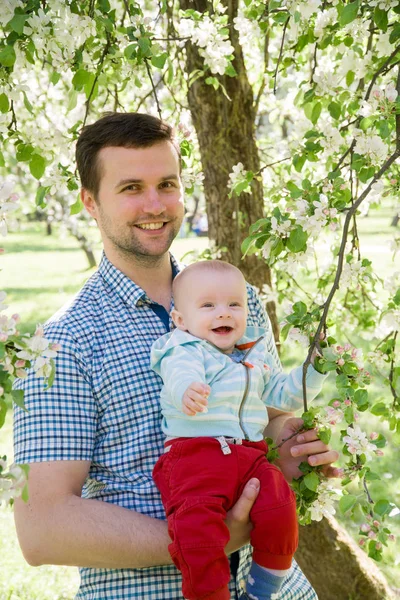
{"x": 61, "y": 421}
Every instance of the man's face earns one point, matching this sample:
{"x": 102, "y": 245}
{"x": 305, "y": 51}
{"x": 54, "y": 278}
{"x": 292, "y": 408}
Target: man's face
{"x": 139, "y": 207}
{"x": 213, "y": 306}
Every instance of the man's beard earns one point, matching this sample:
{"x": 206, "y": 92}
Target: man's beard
{"x": 128, "y": 244}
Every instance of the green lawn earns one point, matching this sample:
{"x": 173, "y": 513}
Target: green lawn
{"x": 40, "y": 273}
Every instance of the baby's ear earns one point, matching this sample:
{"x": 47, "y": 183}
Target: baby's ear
{"x": 178, "y": 319}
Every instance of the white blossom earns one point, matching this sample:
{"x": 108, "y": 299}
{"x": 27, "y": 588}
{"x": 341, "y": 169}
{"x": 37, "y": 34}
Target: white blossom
{"x": 323, "y": 20}
{"x": 351, "y": 274}
{"x": 391, "y": 320}
{"x": 298, "y": 336}
{"x": 281, "y": 229}
{"x": 371, "y": 146}
{"x": 40, "y": 352}
{"x": 383, "y": 45}
{"x": 323, "y": 506}
{"x": 330, "y": 416}
{"x": 394, "y": 246}
{"x": 11, "y": 483}
{"x": 392, "y": 283}
{"x": 357, "y": 442}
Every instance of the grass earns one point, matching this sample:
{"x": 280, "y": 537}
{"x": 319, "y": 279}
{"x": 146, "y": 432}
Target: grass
{"x": 40, "y": 273}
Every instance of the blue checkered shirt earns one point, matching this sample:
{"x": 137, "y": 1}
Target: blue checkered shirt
{"x": 104, "y": 407}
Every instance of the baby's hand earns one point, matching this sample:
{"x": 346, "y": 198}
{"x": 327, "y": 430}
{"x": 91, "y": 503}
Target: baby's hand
{"x": 195, "y": 398}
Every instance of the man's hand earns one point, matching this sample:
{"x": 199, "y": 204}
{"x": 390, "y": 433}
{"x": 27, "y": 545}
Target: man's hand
{"x": 195, "y": 398}
{"x": 238, "y": 520}
{"x": 303, "y": 447}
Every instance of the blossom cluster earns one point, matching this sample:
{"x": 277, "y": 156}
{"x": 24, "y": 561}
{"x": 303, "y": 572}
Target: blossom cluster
{"x": 209, "y": 35}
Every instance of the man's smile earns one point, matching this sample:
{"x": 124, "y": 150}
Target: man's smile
{"x": 150, "y": 226}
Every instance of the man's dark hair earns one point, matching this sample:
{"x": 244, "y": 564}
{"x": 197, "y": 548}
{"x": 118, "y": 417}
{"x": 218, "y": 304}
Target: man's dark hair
{"x": 126, "y": 130}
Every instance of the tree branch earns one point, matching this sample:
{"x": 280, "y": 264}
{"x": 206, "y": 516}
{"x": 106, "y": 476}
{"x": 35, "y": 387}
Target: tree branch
{"x": 280, "y": 52}
{"x": 339, "y": 269}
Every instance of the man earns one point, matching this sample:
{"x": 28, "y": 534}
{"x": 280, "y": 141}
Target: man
{"x": 93, "y": 438}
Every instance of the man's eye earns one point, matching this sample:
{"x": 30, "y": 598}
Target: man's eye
{"x": 167, "y": 184}
{"x": 133, "y": 187}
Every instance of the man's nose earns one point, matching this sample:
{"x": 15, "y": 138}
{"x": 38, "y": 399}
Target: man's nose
{"x": 153, "y": 202}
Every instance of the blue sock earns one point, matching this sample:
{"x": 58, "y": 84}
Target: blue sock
{"x": 261, "y": 584}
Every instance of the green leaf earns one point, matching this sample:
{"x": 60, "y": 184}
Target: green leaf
{"x": 7, "y": 56}
{"x": 40, "y": 195}
{"x": 298, "y": 162}
{"x": 50, "y": 380}
{"x": 371, "y": 476}
{"x": 300, "y": 309}
{"x": 230, "y": 70}
{"x": 17, "y": 23}
{"x": 3, "y": 412}
{"x": 379, "y": 409}
{"x": 361, "y": 398}
{"x": 37, "y": 165}
{"x": 346, "y": 503}
{"x": 316, "y": 111}
{"x": 80, "y": 79}
{"x": 297, "y": 241}
{"x": 284, "y": 331}
{"x": 335, "y": 110}
{"x": 382, "y": 507}
{"x": 27, "y": 104}
{"x": 130, "y": 51}
{"x": 395, "y": 33}
{"x": 144, "y": 45}
{"x": 4, "y": 103}
{"x": 381, "y": 18}
{"x": 349, "y": 13}
{"x": 55, "y": 77}
{"x": 18, "y": 397}
{"x": 311, "y": 481}
{"x": 159, "y": 61}
{"x": 77, "y": 206}
{"x": 325, "y": 435}
{"x": 350, "y": 77}
{"x": 24, "y": 152}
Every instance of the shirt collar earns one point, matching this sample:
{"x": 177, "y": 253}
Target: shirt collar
{"x": 126, "y": 288}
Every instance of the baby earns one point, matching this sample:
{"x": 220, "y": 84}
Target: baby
{"x": 218, "y": 380}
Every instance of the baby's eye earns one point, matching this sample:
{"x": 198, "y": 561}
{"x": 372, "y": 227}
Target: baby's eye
{"x": 234, "y": 304}
{"x": 207, "y": 305}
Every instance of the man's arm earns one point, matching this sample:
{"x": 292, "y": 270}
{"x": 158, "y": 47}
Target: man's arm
{"x": 59, "y": 527}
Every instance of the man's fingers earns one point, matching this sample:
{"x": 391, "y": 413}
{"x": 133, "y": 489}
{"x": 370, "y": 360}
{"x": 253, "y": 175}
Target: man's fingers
{"x": 241, "y": 510}
{"x": 316, "y": 447}
{"x": 323, "y": 459}
{"x": 307, "y": 436}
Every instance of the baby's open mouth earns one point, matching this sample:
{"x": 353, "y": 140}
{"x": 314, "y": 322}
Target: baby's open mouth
{"x": 223, "y": 329}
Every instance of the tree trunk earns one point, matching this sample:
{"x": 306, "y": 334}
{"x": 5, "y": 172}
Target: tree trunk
{"x": 226, "y": 132}
{"x": 395, "y": 220}
{"x": 337, "y": 568}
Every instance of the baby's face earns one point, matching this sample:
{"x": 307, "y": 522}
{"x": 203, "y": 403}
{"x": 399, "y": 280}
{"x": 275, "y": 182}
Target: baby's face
{"x": 213, "y": 307}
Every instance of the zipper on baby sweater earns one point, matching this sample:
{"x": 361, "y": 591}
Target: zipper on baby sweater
{"x": 246, "y": 387}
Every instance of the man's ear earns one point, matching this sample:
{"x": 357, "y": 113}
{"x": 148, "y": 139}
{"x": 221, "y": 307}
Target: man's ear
{"x": 89, "y": 202}
{"x": 178, "y": 319}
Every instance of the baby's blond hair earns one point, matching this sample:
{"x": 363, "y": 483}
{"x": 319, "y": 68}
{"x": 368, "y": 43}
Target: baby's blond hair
{"x": 202, "y": 265}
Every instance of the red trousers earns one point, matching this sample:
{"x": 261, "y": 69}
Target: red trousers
{"x": 198, "y": 485}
